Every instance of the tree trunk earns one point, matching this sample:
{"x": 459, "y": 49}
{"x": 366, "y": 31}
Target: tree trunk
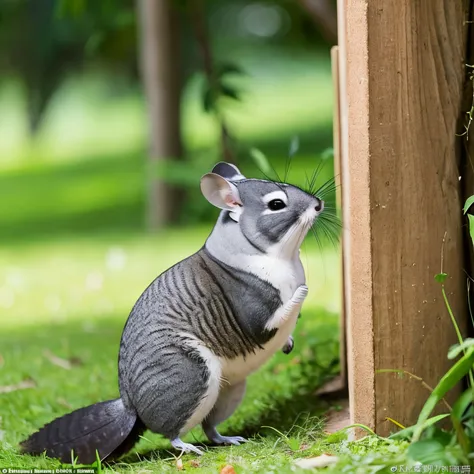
{"x": 160, "y": 69}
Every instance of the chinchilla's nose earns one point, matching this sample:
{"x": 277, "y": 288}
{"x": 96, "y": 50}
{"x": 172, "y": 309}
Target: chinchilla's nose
{"x": 319, "y": 205}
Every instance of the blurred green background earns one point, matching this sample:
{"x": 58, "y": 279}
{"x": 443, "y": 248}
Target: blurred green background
{"x": 77, "y": 245}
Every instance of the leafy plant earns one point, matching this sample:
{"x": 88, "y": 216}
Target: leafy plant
{"x": 430, "y": 444}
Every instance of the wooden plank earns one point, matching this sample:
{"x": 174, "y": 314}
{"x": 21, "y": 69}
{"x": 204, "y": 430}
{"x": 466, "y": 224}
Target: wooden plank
{"x": 402, "y": 83}
{"x": 339, "y": 383}
{"x": 337, "y": 176}
{"x": 356, "y": 218}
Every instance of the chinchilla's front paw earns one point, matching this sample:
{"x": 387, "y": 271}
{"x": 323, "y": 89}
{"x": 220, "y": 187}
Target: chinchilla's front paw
{"x": 300, "y": 294}
{"x": 289, "y": 345}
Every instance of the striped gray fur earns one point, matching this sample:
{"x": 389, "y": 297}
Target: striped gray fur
{"x": 207, "y": 299}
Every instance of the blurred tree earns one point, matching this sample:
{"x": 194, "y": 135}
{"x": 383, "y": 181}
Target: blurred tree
{"x": 160, "y": 67}
{"x": 44, "y": 41}
{"x": 323, "y": 14}
{"x": 215, "y": 88}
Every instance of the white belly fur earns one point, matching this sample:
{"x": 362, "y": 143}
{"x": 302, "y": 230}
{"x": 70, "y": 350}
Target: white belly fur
{"x": 236, "y": 370}
{"x": 285, "y": 276}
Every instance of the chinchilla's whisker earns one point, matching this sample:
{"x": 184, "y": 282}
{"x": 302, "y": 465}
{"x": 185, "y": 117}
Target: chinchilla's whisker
{"x": 311, "y": 181}
{"x": 318, "y": 240}
{"x": 329, "y": 186}
{"x": 333, "y": 226}
{"x": 336, "y": 229}
{"x": 307, "y": 184}
{"x": 265, "y": 175}
{"x": 315, "y": 176}
{"x": 331, "y": 234}
{"x": 331, "y": 211}
{"x": 325, "y": 230}
{"x": 330, "y": 217}
{"x": 331, "y": 221}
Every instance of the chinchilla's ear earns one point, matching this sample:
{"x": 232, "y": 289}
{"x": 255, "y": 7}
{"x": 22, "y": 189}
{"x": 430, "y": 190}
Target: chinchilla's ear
{"x": 220, "y": 192}
{"x": 228, "y": 171}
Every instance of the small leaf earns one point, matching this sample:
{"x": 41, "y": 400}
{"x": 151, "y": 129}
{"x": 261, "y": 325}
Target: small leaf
{"x": 293, "y": 444}
{"x": 442, "y": 436}
{"x": 327, "y": 154}
{"x": 462, "y": 404}
{"x": 294, "y": 146}
{"x": 468, "y": 204}
{"x": 441, "y": 277}
{"x": 456, "y": 349}
{"x": 459, "y": 412}
{"x": 261, "y": 161}
{"x": 229, "y": 68}
{"x": 471, "y": 226}
{"x": 229, "y": 92}
{"x": 208, "y": 99}
{"x": 94, "y": 43}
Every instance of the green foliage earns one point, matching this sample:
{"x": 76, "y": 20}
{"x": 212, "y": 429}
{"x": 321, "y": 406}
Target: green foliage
{"x": 447, "y": 383}
{"x": 45, "y": 41}
{"x": 433, "y": 452}
{"x": 214, "y": 93}
{"x": 458, "y": 348}
{"x": 441, "y": 277}
{"x": 469, "y": 202}
{"x": 471, "y": 226}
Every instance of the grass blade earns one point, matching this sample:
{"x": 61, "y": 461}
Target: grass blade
{"x": 448, "y": 381}
{"x": 408, "y": 432}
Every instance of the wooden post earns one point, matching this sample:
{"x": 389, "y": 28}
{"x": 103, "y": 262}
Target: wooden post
{"x": 401, "y": 76}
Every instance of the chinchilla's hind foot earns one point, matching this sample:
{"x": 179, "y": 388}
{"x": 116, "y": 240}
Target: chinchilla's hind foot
{"x": 186, "y": 447}
{"x": 217, "y": 438}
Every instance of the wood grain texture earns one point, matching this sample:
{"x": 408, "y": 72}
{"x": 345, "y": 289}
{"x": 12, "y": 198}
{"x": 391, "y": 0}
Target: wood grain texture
{"x": 403, "y": 79}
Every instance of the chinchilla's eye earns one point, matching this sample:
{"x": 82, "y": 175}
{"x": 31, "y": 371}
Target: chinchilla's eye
{"x": 276, "y": 204}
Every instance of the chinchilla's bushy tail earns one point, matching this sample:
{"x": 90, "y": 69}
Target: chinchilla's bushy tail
{"x": 107, "y": 427}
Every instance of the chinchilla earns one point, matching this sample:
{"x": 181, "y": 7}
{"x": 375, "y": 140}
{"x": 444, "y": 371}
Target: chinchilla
{"x": 202, "y": 326}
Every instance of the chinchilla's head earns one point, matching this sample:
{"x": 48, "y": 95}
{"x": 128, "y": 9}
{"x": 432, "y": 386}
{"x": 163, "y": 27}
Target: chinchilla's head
{"x": 272, "y": 217}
